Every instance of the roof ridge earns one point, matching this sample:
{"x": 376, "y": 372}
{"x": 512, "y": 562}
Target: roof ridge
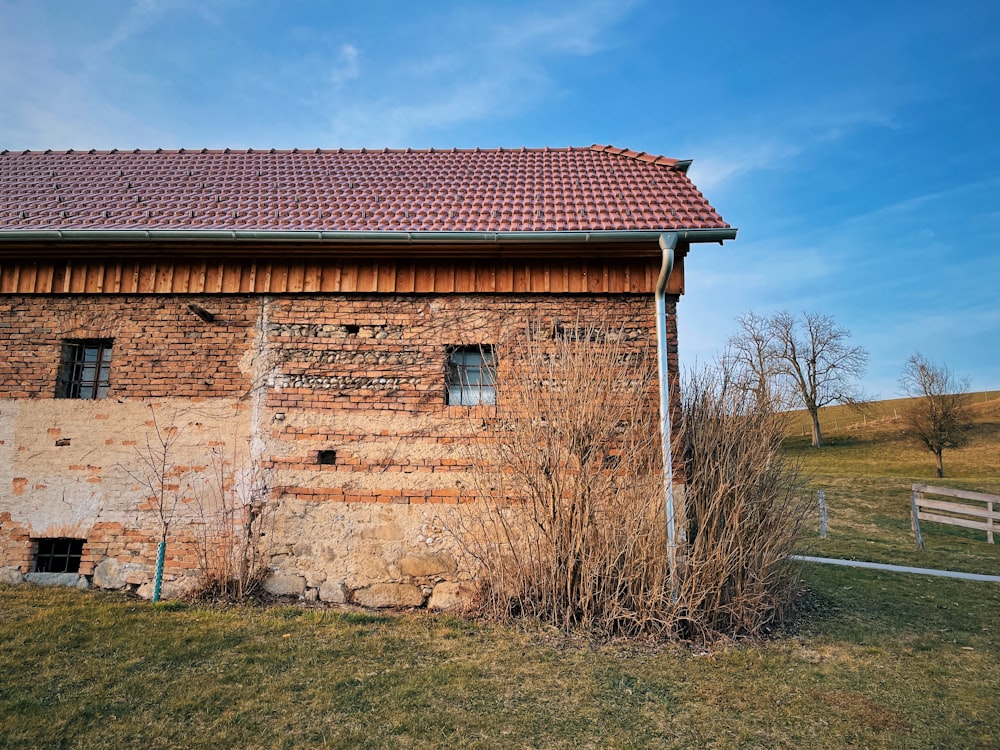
{"x": 364, "y": 150}
{"x": 665, "y": 161}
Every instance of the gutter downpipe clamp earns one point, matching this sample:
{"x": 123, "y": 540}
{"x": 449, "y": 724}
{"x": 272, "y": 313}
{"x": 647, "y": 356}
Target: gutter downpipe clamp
{"x": 668, "y": 243}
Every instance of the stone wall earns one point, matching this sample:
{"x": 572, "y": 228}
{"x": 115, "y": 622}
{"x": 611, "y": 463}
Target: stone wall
{"x": 337, "y": 401}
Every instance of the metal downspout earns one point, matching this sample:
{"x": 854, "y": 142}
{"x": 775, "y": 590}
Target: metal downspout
{"x": 668, "y": 243}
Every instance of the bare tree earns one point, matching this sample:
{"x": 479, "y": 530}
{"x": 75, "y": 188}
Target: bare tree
{"x": 157, "y": 474}
{"x": 812, "y": 353}
{"x": 751, "y": 360}
{"x": 938, "y": 417}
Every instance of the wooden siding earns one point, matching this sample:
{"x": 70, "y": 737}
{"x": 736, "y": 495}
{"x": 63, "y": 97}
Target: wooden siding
{"x": 164, "y": 276}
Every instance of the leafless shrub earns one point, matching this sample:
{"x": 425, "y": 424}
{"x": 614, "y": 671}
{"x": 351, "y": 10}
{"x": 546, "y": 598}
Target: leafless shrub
{"x": 235, "y": 520}
{"x": 744, "y": 512}
{"x": 570, "y": 526}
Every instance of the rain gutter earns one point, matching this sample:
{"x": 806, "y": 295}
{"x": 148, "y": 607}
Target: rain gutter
{"x": 368, "y": 236}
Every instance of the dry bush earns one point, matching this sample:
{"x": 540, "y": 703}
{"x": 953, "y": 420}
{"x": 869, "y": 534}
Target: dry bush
{"x": 744, "y": 512}
{"x": 570, "y": 528}
{"x": 235, "y": 519}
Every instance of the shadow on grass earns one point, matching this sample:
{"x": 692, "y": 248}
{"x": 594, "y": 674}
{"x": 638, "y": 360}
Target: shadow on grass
{"x": 879, "y": 607}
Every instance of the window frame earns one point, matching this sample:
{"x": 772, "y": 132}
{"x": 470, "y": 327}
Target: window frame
{"x": 52, "y": 550}
{"x": 470, "y": 375}
{"x": 82, "y": 376}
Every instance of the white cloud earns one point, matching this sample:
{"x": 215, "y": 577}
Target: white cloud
{"x": 140, "y": 16}
{"x": 732, "y": 158}
{"x": 478, "y": 65}
{"x": 780, "y": 140}
{"x": 346, "y": 66}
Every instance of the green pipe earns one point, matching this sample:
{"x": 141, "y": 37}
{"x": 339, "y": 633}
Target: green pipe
{"x": 158, "y": 578}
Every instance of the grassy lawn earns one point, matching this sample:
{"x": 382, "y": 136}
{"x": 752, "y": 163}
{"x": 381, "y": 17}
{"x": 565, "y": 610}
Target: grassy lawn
{"x": 872, "y": 660}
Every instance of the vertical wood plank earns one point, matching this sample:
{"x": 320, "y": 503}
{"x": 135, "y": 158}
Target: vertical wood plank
{"x": 264, "y": 279}
{"x": 78, "y": 282}
{"x": 331, "y": 278}
{"x": 444, "y": 278}
{"x": 46, "y": 279}
{"x": 465, "y": 277}
{"x": 386, "y": 276}
{"x": 165, "y": 278}
{"x": 577, "y": 277}
{"x": 537, "y": 279}
{"x": 504, "y": 277}
{"x": 213, "y": 278}
{"x": 424, "y": 281}
{"x": 486, "y": 276}
{"x": 349, "y": 277}
{"x": 182, "y": 278}
{"x": 367, "y": 277}
{"x": 279, "y": 278}
{"x": 405, "y": 276}
{"x": 247, "y": 274}
{"x": 10, "y": 278}
{"x": 311, "y": 282}
{"x": 296, "y": 277}
{"x": 29, "y": 274}
{"x": 522, "y": 279}
{"x": 676, "y": 283}
{"x": 616, "y": 279}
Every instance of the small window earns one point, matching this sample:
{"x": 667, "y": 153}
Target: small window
{"x": 58, "y": 555}
{"x": 326, "y": 458}
{"x": 85, "y": 369}
{"x": 471, "y": 375}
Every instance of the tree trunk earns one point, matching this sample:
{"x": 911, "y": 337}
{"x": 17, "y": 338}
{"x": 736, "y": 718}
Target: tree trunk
{"x": 817, "y": 435}
{"x": 940, "y": 466}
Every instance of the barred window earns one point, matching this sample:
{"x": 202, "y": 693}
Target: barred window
{"x": 471, "y": 375}
{"x": 85, "y": 369}
{"x": 58, "y": 555}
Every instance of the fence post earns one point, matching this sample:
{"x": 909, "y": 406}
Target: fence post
{"x": 822, "y": 514}
{"x": 915, "y": 520}
{"x": 989, "y": 522}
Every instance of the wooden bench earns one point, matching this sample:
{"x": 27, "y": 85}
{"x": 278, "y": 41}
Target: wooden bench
{"x": 980, "y": 511}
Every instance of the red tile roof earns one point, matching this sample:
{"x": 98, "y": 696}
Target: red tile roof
{"x": 497, "y": 190}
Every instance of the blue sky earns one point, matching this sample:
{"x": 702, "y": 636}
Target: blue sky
{"x": 855, "y": 144}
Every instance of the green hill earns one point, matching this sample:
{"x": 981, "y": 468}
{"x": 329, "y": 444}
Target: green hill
{"x": 866, "y": 470}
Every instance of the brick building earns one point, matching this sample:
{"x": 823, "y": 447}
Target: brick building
{"x": 302, "y": 331}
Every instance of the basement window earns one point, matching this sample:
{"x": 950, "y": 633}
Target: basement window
{"x": 470, "y": 375}
{"x": 58, "y": 555}
{"x": 84, "y": 369}
{"x": 326, "y": 458}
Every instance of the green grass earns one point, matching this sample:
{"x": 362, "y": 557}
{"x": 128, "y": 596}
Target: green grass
{"x": 871, "y": 659}
{"x": 867, "y": 470}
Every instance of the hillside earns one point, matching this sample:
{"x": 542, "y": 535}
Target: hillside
{"x": 867, "y": 468}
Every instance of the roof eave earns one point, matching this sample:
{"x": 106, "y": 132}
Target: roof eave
{"x": 719, "y": 234}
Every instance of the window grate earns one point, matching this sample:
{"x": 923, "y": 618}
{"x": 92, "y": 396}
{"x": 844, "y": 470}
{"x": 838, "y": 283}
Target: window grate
{"x": 470, "y": 376}
{"x": 85, "y": 369}
{"x": 58, "y": 555}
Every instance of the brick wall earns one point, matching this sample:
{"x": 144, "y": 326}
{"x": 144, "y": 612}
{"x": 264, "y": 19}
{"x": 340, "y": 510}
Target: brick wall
{"x": 272, "y": 381}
